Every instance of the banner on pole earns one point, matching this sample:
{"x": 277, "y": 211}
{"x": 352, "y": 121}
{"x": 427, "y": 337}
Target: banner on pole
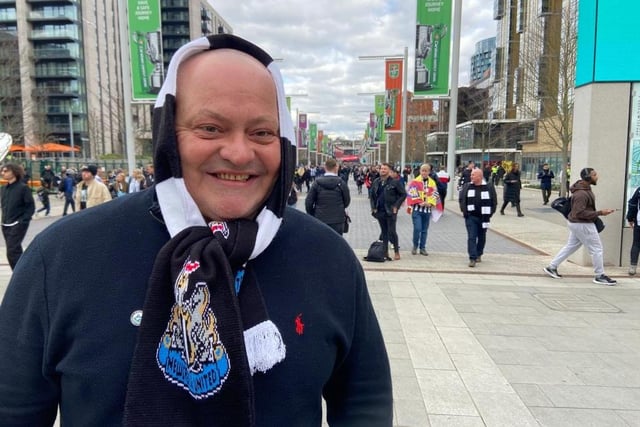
{"x": 313, "y": 136}
{"x": 393, "y": 95}
{"x": 302, "y": 130}
{"x": 433, "y": 48}
{"x": 145, "y": 49}
{"x": 379, "y": 111}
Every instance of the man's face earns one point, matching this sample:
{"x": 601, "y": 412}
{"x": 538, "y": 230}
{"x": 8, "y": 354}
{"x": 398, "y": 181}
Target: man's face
{"x": 228, "y": 133}
{"x": 594, "y": 177}
{"x": 476, "y": 176}
{"x": 8, "y": 174}
{"x": 545, "y": 167}
{"x": 87, "y": 176}
{"x": 384, "y": 171}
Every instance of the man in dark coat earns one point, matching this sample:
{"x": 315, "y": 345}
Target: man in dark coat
{"x": 387, "y": 195}
{"x": 478, "y": 203}
{"x": 512, "y": 186}
{"x": 329, "y": 197}
{"x": 17, "y": 209}
{"x": 545, "y": 176}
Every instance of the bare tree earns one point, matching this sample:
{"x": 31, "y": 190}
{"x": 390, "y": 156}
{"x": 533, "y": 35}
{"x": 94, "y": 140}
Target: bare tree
{"x": 545, "y": 80}
{"x": 476, "y": 104}
{"x": 10, "y": 97}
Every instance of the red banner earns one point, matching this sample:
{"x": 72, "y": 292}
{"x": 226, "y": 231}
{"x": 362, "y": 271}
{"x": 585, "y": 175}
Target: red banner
{"x": 393, "y": 95}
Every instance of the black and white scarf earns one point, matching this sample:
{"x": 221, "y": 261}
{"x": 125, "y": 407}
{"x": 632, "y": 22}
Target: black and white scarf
{"x": 205, "y": 328}
{"x": 478, "y": 202}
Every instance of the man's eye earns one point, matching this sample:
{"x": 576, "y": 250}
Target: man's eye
{"x": 208, "y": 128}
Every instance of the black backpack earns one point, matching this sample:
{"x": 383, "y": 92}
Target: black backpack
{"x": 376, "y": 252}
{"x": 562, "y": 205}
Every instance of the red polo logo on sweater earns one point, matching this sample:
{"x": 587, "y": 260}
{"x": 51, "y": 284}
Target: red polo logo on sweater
{"x": 299, "y": 324}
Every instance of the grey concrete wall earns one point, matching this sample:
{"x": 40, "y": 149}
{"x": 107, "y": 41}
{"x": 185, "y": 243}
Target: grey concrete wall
{"x": 600, "y": 141}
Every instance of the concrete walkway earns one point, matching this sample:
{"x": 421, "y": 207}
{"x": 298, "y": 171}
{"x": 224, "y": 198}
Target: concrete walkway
{"x": 500, "y": 344}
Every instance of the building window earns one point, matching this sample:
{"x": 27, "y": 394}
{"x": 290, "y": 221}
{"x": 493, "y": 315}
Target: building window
{"x": 498, "y": 9}
{"x": 521, "y": 16}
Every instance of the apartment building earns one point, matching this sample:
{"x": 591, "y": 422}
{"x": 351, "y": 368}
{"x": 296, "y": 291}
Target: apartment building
{"x": 534, "y": 72}
{"x": 61, "y": 69}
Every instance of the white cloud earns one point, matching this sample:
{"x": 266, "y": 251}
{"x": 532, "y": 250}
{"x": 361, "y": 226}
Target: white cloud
{"x": 320, "y": 42}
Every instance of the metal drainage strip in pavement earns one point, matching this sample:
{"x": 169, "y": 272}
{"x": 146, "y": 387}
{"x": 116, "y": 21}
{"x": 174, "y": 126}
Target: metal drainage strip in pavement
{"x": 585, "y": 303}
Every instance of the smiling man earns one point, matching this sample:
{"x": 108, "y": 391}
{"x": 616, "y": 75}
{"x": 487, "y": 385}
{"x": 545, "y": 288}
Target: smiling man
{"x": 195, "y": 312}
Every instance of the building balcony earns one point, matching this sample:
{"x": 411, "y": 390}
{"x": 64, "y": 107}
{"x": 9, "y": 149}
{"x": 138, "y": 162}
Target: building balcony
{"x": 179, "y": 17}
{"x": 8, "y": 16}
{"x": 41, "y": 54}
{"x": 64, "y": 73}
{"x": 171, "y": 31}
{"x": 174, "y": 4}
{"x": 70, "y": 15}
{"x": 54, "y": 2}
{"x": 59, "y": 91}
{"x": 64, "y": 35}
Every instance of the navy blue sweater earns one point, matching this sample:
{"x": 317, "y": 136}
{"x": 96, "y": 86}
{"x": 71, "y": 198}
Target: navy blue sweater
{"x": 67, "y": 335}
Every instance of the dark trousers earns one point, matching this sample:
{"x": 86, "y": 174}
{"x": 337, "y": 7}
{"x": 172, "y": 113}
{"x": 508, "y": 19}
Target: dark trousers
{"x": 13, "y": 237}
{"x": 476, "y": 236}
{"x": 46, "y": 206}
{"x": 635, "y": 246}
{"x": 68, "y": 201}
{"x": 388, "y": 230}
{"x": 546, "y": 193}
{"x": 506, "y": 202}
{"x": 338, "y": 227}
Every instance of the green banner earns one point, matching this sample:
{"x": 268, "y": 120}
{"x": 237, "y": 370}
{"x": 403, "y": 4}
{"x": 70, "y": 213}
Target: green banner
{"x": 381, "y": 136}
{"x": 145, "y": 41}
{"x": 433, "y": 47}
{"x": 313, "y": 136}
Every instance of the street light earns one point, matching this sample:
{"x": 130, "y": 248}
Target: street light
{"x": 405, "y": 66}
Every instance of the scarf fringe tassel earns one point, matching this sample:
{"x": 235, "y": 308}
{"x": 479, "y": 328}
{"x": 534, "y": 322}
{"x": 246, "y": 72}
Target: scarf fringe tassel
{"x": 264, "y": 346}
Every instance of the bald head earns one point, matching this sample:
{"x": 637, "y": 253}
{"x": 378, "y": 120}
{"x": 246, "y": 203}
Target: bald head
{"x": 476, "y": 176}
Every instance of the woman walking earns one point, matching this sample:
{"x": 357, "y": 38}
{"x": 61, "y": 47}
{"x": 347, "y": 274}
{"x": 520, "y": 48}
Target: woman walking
{"x": 512, "y": 186}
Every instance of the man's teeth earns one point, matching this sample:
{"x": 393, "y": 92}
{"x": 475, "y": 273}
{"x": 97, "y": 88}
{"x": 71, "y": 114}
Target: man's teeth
{"x": 230, "y": 177}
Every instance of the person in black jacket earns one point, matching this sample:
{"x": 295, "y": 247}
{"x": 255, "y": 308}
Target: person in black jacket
{"x": 633, "y": 214}
{"x": 478, "y": 203}
{"x": 206, "y": 316}
{"x": 329, "y": 197}
{"x": 386, "y": 197}
{"x": 512, "y": 186}
{"x": 17, "y": 209}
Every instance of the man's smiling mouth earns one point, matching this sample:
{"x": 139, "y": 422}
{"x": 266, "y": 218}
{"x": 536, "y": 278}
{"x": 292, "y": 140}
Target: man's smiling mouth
{"x": 232, "y": 177}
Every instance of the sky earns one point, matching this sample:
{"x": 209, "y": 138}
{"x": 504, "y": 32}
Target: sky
{"x": 320, "y": 41}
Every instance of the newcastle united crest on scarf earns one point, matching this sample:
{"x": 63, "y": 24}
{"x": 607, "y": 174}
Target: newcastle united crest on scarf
{"x": 190, "y": 353}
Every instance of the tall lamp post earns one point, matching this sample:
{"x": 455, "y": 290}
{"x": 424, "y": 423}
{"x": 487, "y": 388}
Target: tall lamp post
{"x": 405, "y": 61}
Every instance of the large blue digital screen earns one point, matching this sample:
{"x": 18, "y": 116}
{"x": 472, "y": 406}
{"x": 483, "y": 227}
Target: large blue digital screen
{"x": 608, "y": 41}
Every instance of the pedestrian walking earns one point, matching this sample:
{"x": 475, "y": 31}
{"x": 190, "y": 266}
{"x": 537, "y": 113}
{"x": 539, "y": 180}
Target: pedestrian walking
{"x": 582, "y": 228}
{"x": 478, "y": 202}
{"x": 545, "y": 176}
{"x": 17, "y": 209}
{"x": 512, "y": 187}
{"x": 43, "y": 195}
{"x": 633, "y": 218}
{"x": 329, "y": 197}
